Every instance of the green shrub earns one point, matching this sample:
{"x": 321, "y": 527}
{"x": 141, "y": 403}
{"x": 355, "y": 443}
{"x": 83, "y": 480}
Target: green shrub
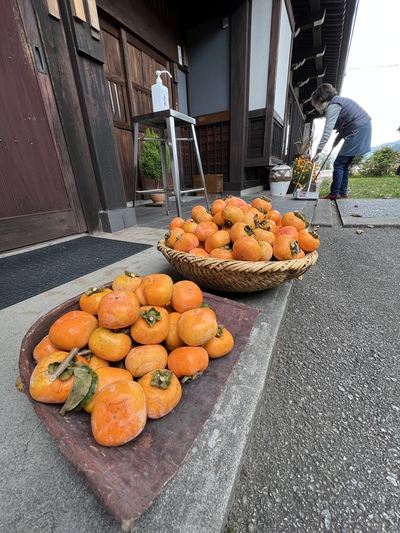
{"x": 150, "y": 158}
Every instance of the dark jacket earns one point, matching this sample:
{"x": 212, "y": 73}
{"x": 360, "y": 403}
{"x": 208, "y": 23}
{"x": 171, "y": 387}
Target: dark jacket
{"x": 351, "y": 116}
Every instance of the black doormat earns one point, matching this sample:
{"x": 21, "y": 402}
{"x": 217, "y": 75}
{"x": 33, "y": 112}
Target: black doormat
{"x": 31, "y": 273}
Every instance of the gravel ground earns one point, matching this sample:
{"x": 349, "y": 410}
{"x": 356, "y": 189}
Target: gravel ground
{"x": 385, "y": 208}
{"x": 325, "y": 452}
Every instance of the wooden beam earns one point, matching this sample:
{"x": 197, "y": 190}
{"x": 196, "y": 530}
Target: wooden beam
{"x": 310, "y": 21}
{"x": 302, "y": 55}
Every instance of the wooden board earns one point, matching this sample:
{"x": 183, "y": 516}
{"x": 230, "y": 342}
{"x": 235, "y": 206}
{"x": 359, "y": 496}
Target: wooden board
{"x": 128, "y": 478}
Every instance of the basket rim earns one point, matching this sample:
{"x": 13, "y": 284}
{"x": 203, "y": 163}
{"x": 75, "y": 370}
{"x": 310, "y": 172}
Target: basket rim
{"x": 291, "y": 265}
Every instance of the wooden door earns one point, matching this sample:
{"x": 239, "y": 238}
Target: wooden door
{"x": 39, "y": 201}
{"x": 130, "y": 70}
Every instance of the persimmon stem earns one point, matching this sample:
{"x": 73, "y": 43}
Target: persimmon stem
{"x": 64, "y": 365}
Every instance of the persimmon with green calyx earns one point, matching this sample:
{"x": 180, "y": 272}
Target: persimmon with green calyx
{"x": 188, "y": 363}
{"x": 128, "y": 281}
{"x": 296, "y": 219}
{"x": 285, "y": 248}
{"x": 163, "y": 392}
{"x": 52, "y": 378}
{"x": 90, "y": 299}
{"x": 308, "y": 240}
{"x": 221, "y": 344}
{"x": 152, "y": 325}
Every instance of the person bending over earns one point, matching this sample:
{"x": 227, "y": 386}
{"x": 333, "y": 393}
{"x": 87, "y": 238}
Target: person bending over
{"x": 352, "y": 123}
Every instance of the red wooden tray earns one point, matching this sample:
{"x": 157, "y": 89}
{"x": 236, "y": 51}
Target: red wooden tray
{"x": 128, "y": 478}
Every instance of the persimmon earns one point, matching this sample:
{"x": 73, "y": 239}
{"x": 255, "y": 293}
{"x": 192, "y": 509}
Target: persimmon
{"x": 152, "y": 325}
{"x": 163, "y": 392}
{"x": 203, "y": 216}
{"x": 186, "y": 295}
{"x": 172, "y": 340}
{"x": 261, "y": 234}
{"x": 232, "y": 214}
{"x": 109, "y": 345}
{"x": 144, "y": 358}
{"x": 221, "y": 253}
{"x": 42, "y": 389}
{"x": 119, "y": 413}
{"x": 287, "y": 230}
{"x": 73, "y": 330}
{"x": 246, "y": 249}
{"x": 205, "y": 229}
{"x": 240, "y": 229}
{"x": 107, "y": 375}
{"x": 128, "y": 281}
{"x": 196, "y": 326}
{"x": 237, "y": 202}
{"x": 118, "y": 309}
{"x": 255, "y": 214}
{"x": 43, "y": 348}
{"x": 200, "y": 252}
{"x": 274, "y": 215}
{"x": 90, "y": 300}
{"x": 221, "y": 344}
{"x": 96, "y": 362}
{"x": 172, "y": 236}
{"x": 176, "y": 222}
{"x": 186, "y": 243}
{"x": 196, "y": 209}
{"x": 308, "y": 240}
{"x": 188, "y": 362}
{"x": 294, "y": 218}
{"x": 267, "y": 251}
{"x": 286, "y": 247}
{"x": 217, "y": 240}
{"x": 155, "y": 289}
{"x": 219, "y": 219}
{"x": 269, "y": 225}
{"x": 262, "y": 203}
{"x": 190, "y": 225}
{"x": 217, "y": 206}
{"x": 301, "y": 254}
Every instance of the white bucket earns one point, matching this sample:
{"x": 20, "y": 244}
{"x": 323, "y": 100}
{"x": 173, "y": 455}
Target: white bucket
{"x": 279, "y": 188}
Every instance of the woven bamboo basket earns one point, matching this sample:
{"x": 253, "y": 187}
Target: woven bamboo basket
{"x": 236, "y": 276}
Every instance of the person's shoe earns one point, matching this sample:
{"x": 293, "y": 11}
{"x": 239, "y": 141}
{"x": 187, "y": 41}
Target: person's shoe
{"x": 343, "y": 196}
{"x": 330, "y": 197}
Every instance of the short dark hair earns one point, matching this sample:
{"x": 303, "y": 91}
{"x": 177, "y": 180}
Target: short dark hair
{"x": 324, "y": 93}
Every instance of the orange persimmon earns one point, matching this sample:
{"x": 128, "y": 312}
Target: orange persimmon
{"x": 221, "y": 344}
{"x": 173, "y": 340}
{"x": 109, "y": 345}
{"x": 217, "y": 240}
{"x": 196, "y": 326}
{"x": 308, "y": 240}
{"x": 43, "y": 348}
{"x": 286, "y": 247}
{"x": 294, "y": 218}
{"x": 186, "y": 295}
{"x": 107, "y": 375}
{"x": 186, "y": 243}
{"x": 163, "y": 392}
{"x": 188, "y": 362}
{"x": 152, "y": 325}
{"x": 144, "y": 358}
{"x": 118, "y": 309}
{"x": 246, "y": 249}
{"x": 155, "y": 289}
{"x": 73, "y": 330}
{"x": 119, "y": 413}
{"x": 172, "y": 236}
{"x": 90, "y": 300}
{"x": 128, "y": 281}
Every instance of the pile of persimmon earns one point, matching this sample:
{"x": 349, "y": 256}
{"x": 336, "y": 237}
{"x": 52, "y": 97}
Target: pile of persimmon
{"x": 235, "y": 230}
{"x": 123, "y": 355}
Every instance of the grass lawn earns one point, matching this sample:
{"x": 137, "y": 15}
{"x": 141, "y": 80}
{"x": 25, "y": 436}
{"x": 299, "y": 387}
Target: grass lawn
{"x": 382, "y": 187}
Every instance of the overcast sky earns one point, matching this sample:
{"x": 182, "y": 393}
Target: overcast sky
{"x": 372, "y": 76}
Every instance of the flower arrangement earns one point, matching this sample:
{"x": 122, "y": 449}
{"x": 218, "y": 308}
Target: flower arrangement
{"x": 302, "y": 168}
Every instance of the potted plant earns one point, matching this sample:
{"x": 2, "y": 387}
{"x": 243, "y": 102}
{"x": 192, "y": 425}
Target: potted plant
{"x": 150, "y": 163}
